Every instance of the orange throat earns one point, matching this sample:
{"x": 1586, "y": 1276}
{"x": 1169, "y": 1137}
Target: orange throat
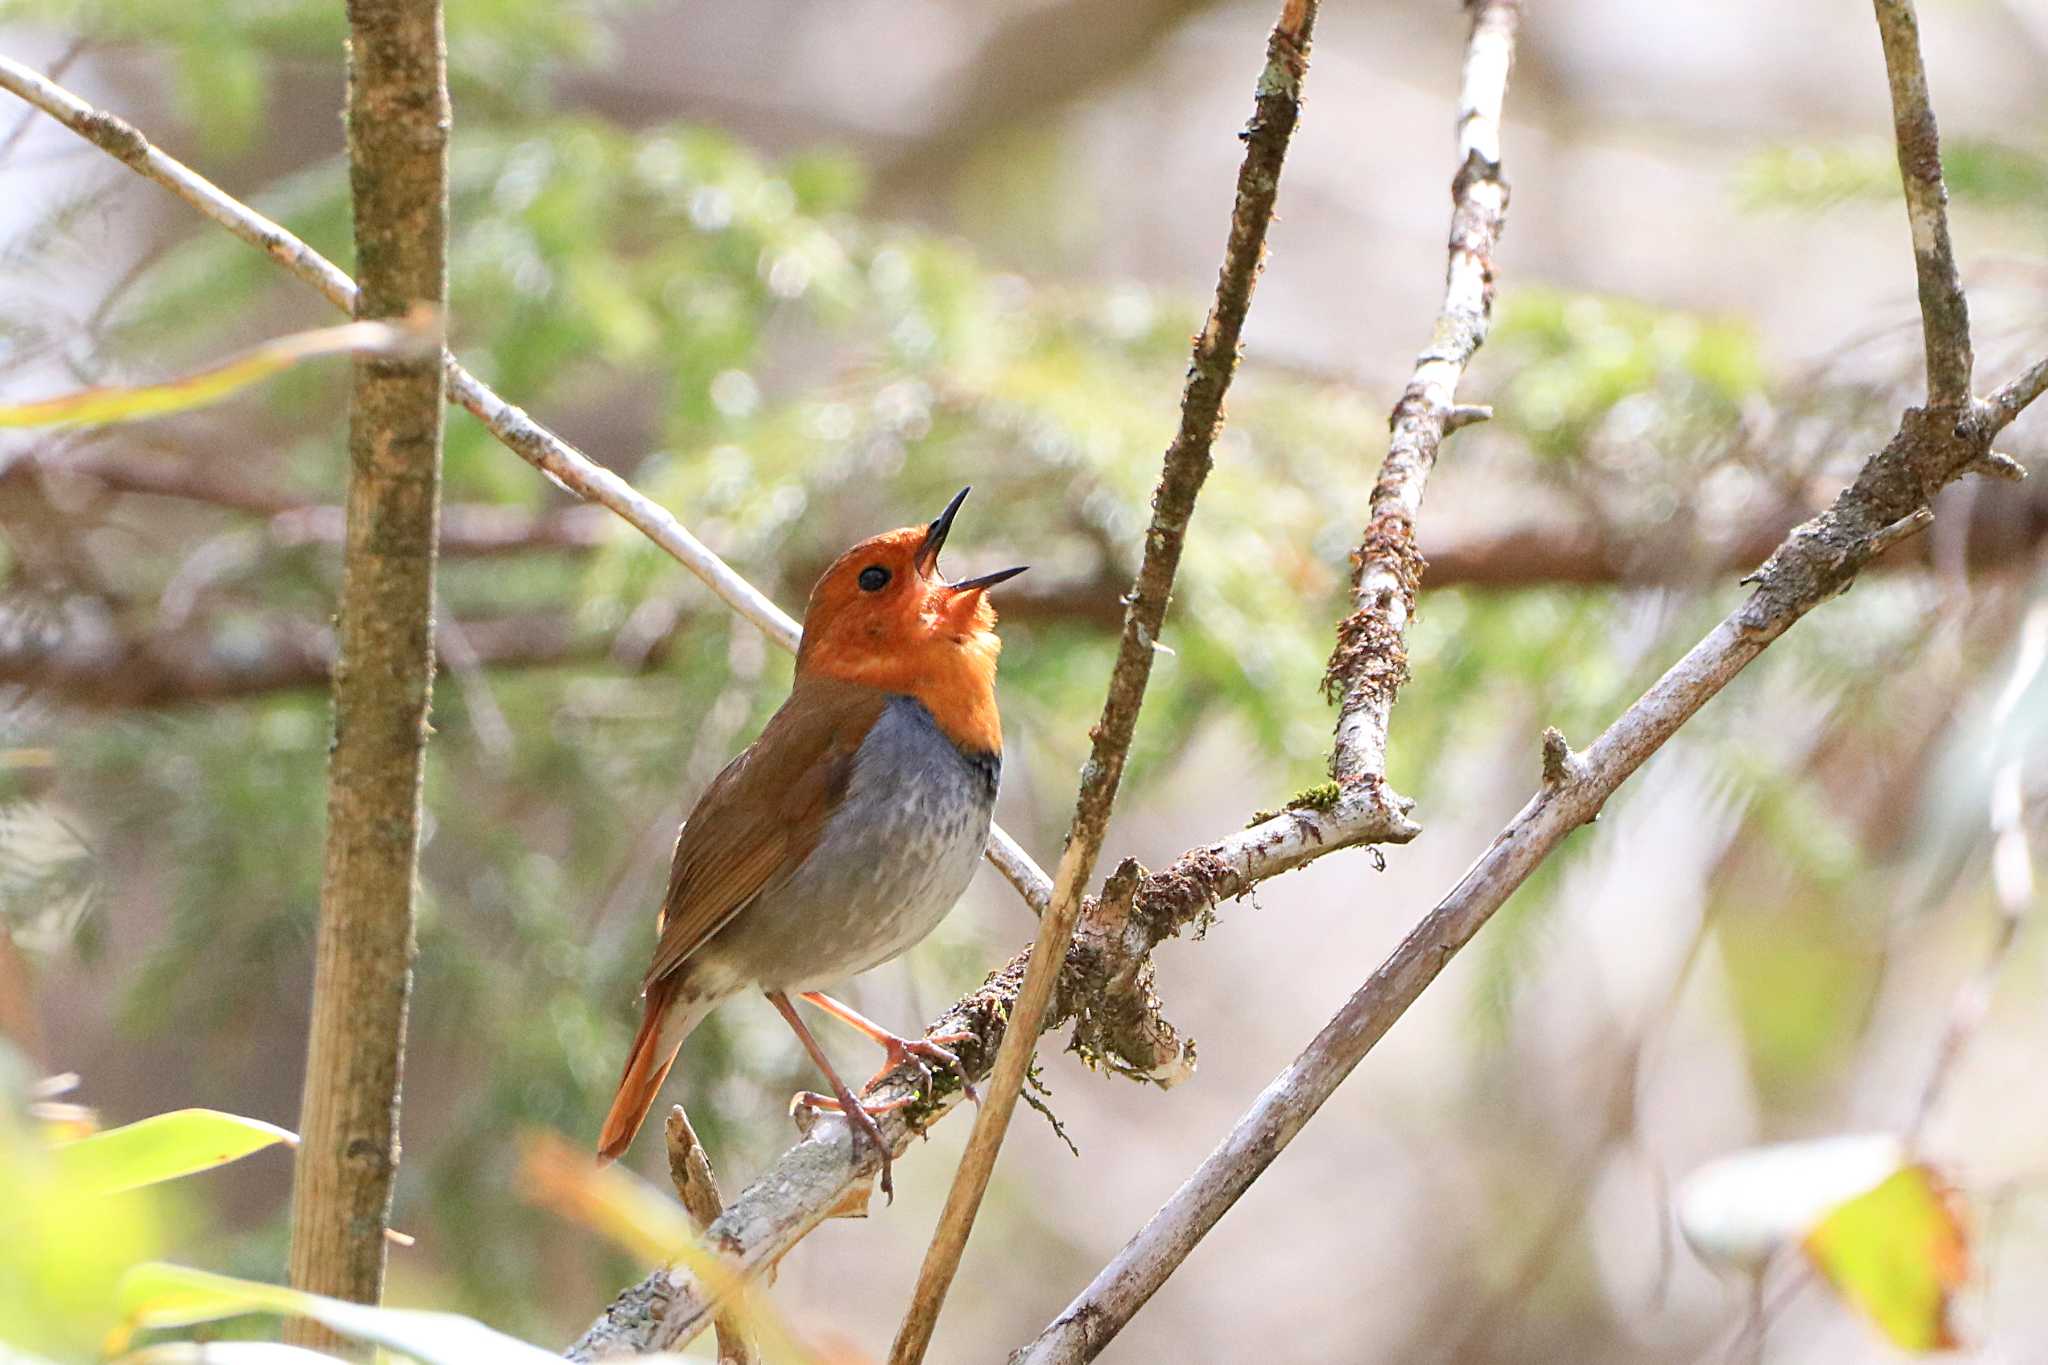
{"x": 952, "y": 675}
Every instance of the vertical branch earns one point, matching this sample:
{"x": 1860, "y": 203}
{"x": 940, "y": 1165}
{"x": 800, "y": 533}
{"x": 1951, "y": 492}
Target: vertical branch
{"x": 398, "y": 118}
{"x": 689, "y": 1169}
{"x": 1886, "y": 503}
{"x": 2012, "y": 875}
{"x": 1186, "y": 466}
{"x": 1944, "y": 313}
{"x": 1367, "y": 669}
{"x": 1371, "y": 661}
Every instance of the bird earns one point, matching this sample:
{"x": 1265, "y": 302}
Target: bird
{"x": 844, "y": 834}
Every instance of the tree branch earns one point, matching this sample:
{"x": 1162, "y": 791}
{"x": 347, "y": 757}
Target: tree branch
{"x": 1370, "y": 661}
{"x": 1813, "y": 564}
{"x": 347, "y": 1163}
{"x": 689, "y": 1170}
{"x": 2012, "y": 397}
{"x": 1886, "y": 502}
{"x": 568, "y": 467}
{"x": 1186, "y": 466}
{"x": 1944, "y": 313}
{"x": 82, "y": 659}
{"x": 1102, "y": 989}
{"x": 2012, "y": 878}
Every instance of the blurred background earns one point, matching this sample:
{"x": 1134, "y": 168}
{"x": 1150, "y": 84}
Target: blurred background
{"x": 800, "y": 269}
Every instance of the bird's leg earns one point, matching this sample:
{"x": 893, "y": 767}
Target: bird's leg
{"x": 857, "y": 1117}
{"x": 900, "y": 1050}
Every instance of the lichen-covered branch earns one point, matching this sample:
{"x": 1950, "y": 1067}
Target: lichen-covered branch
{"x": 347, "y": 1164}
{"x": 1187, "y": 462}
{"x": 1371, "y": 659}
{"x": 560, "y": 461}
{"x": 1944, "y": 312}
{"x": 1102, "y": 989}
{"x": 1814, "y": 564}
{"x": 1887, "y": 502}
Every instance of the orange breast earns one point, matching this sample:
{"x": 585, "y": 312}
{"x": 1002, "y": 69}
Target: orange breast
{"x": 953, "y": 676}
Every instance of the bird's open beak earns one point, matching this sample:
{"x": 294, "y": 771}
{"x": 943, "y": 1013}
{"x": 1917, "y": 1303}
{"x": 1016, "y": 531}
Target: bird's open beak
{"x": 987, "y": 580}
{"x": 927, "y": 560}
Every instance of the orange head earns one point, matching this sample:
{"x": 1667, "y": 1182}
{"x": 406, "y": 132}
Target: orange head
{"x": 882, "y": 616}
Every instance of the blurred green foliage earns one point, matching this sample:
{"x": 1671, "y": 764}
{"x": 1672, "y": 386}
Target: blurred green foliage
{"x": 1979, "y": 171}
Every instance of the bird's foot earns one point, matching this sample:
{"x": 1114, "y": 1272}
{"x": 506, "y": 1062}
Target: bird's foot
{"x": 860, "y": 1117}
{"x": 811, "y": 1099}
{"x": 923, "y": 1053}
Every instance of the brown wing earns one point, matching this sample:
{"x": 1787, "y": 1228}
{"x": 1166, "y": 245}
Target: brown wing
{"x": 764, "y": 814}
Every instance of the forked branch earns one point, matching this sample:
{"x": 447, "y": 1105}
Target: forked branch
{"x": 1886, "y": 502}
{"x": 1186, "y": 466}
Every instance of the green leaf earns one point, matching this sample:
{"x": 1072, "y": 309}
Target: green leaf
{"x": 162, "y": 1147}
{"x": 159, "y": 1295}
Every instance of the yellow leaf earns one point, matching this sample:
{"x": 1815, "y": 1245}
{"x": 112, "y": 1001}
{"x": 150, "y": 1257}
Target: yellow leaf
{"x": 647, "y": 1222}
{"x": 1897, "y": 1252}
{"x": 96, "y": 406}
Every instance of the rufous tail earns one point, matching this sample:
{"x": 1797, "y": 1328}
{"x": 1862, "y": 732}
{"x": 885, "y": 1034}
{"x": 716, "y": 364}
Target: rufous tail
{"x": 663, "y": 1026}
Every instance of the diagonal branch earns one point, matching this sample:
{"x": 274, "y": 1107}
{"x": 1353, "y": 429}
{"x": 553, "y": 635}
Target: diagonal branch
{"x": 1103, "y": 988}
{"x": 1369, "y": 663}
{"x": 1187, "y": 463}
{"x": 2012, "y": 397}
{"x": 1886, "y": 503}
{"x": 526, "y": 438}
{"x": 1944, "y": 312}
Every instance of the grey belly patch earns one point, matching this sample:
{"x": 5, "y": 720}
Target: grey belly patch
{"x": 891, "y": 862}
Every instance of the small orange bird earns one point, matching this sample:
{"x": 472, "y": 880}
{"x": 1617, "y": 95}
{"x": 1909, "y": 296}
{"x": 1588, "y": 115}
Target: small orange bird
{"x": 845, "y": 833}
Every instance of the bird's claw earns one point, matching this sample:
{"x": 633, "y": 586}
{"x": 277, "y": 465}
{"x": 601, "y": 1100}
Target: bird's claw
{"x": 860, "y": 1118}
{"x": 924, "y": 1053}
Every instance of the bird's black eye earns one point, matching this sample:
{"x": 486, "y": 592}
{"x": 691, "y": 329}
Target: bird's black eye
{"x": 874, "y": 578}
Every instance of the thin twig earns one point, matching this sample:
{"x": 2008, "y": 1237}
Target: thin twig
{"x": 689, "y": 1168}
{"x": 1944, "y": 313}
{"x": 1370, "y": 661}
{"x": 1186, "y": 466}
{"x": 2013, "y": 396}
{"x": 1887, "y": 501}
{"x": 2012, "y": 878}
{"x": 535, "y": 444}
{"x": 21, "y": 125}
{"x": 1814, "y": 564}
